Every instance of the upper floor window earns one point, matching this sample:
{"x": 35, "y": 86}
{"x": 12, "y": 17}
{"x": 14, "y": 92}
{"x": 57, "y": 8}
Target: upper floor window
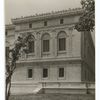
{"x": 30, "y": 73}
{"x": 62, "y": 44}
{"x": 6, "y": 32}
{"x": 46, "y": 43}
{"x": 61, "y": 72}
{"x": 62, "y": 41}
{"x": 61, "y": 21}
{"x": 45, "y": 23}
{"x": 31, "y": 44}
{"x": 7, "y": 53}
{"x": 45, "y": 72}
{"x": 30, "y": 25}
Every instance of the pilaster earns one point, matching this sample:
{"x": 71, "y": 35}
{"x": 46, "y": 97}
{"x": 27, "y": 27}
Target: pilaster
{"x": 38, "y": 45}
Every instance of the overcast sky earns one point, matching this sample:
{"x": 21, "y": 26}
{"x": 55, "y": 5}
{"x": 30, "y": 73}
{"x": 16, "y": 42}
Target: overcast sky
{"x": 18, "y": 8}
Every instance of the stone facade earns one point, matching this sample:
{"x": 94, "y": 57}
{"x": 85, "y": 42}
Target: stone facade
{"x": 77, "y": 60}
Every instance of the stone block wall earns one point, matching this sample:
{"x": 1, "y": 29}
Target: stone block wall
{"x": 72, "y": 73}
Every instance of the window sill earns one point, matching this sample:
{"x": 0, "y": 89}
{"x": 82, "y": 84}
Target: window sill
{"x": 45, "y": 53}
{"x": 61, "y": 78}
{"x": 29, "y": 78}
{"x": 43, "y": 78}
{"x": 61, "y": 52}
{"x": 30, "y": 55}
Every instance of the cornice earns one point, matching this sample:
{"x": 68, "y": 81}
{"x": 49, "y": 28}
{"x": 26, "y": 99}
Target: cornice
{"x": 55, "y": 27}
{"x": 45, "y": 16}
{"x": 65, "y": 59}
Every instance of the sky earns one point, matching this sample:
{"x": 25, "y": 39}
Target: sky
{"x": 18, "y": 8}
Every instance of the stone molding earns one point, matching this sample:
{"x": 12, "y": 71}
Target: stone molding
{"x": 66, "y": 59}
{"x": 70, "y": 26}
{"x": 10, "y": 26}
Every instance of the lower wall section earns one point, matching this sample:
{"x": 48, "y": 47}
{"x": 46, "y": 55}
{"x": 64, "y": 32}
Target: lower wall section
{"x": 69, "y": 87}
{"x": 68, "y": 91}
{"x": 53, "y": 97}
{"x": 53, "y": 87}
{"x": 72, "y": 72}
{"x": 25, "y": 88}
{"x": 65, "y": 91}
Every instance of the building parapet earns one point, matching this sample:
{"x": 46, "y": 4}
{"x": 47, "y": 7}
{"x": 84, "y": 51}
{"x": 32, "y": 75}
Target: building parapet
{"x": 47, "y": 15}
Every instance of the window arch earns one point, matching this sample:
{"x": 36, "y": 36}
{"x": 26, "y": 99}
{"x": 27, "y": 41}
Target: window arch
{"x": 61, "y": 40}
{"x": 46, "y": 42}
{"x": 31, "y": 44}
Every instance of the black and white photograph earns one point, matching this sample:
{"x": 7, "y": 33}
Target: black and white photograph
{"x": 49, "y": 49}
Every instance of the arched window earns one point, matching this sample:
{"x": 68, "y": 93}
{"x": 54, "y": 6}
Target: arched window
{"x": 46, "y": 42}
{"x": 61, "y": 41}
{"x": 31, "y": 44}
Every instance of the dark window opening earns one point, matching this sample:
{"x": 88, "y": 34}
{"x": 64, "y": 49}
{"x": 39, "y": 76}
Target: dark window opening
{"x": 61, "y": 72}
{"x": 31, "y": 46}
{"x": 61, "y": 21}
{"x": 30, "y": 73}
{"x": 45, "y": 73}
{"x": 45, "y": 23}
{"x": 45, "y": 45}
{"x": 30, "y": 25}
{"x": 7, "y": 53}
{"x": 6, "y": 33}
{"x": 62, "y": 44}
